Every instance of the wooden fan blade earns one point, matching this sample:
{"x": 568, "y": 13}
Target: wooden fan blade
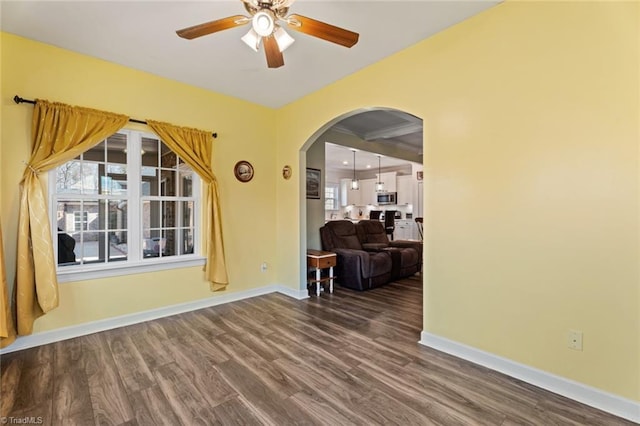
{"x": 274, "y": 56}
{"x": 213, "y": 27}
{"x": 322, "y": 30}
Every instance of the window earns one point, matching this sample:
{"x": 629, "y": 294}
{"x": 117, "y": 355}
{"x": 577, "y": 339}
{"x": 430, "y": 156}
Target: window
{"x": 80, "y": 220}
{"x": 128, "y": 201}
{"x": 331, "y": 200}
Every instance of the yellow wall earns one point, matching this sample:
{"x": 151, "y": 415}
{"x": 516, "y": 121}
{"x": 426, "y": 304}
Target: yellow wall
{"x": 245, "y": 132}
{"x": 531, "y": 181}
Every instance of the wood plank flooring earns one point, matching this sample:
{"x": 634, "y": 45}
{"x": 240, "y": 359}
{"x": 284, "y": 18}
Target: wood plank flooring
{"x": 341, "y": 359}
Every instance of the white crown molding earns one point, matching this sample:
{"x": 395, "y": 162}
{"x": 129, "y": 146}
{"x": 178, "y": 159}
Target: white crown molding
{"x": 64, "y": 333}
{"x": 588, "y": 395}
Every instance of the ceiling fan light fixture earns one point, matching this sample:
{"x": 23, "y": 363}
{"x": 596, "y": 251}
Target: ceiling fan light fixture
{"x": 283, "y": 39}
{"x": 263, "y": 23}
{"x": 252, "y": 39}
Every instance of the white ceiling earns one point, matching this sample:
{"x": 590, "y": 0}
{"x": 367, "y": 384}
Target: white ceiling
{"x": 385, "y": 127}
{"x": 336, "y": 156}
{"x": 141, "y": 35}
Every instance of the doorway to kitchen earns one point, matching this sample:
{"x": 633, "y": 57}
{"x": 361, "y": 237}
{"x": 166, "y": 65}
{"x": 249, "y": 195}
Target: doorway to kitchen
{"x": 382, "y": 150}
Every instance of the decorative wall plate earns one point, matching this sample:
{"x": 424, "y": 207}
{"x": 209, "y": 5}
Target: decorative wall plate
{"x": 287, "y": 172}
{"x": 243, "y": 171}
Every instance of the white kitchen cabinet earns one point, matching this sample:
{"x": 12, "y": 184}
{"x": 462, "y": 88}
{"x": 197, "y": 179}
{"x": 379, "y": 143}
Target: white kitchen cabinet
{"x": 348, "y": 196}
{"x": 368, "y": 192}
{"x": 389, "y": 181}
{"x": 364, "y": 196}
{"x": 405, "y": 189}
{"x": 405, "y": 230}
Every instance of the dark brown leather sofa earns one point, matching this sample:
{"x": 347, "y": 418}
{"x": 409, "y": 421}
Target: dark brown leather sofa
{"x": 356, "y": 268}
{"x": 406, "y": 255}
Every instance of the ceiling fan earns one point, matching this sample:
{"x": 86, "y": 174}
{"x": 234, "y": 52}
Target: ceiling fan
{"x": 265, "y": 18}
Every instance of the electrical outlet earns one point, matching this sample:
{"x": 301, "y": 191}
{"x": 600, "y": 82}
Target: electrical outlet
{"x": 263, "y": 267}
{"x": 575, "y": 340}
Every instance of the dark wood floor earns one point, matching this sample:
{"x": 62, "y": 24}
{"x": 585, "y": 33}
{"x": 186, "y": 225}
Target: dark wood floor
{"x": 346, "y": 358}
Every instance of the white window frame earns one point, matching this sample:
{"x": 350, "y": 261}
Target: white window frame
{"x": 335, "y": 188}
{"x": 135, "y": 262}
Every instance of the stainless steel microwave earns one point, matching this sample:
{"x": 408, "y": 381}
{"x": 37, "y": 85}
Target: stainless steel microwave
{"x": 386, "y": 198}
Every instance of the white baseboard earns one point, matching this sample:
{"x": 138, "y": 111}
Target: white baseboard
{"x": 296, "y": 294}
{"x": 588, "y": 395}
{"x": 46, "y": 337}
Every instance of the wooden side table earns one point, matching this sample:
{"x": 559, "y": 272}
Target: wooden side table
{"x": 321, "y": 260}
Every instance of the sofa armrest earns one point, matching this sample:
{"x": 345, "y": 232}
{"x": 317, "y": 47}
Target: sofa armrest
{"x": 374, "y": 246}
{"x": 407, "y": 243}
{"x": 354, "y": 259}
{"x": 416, "y": 245}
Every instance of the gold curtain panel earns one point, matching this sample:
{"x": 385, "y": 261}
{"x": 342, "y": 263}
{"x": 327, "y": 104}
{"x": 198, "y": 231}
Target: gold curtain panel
{"x": 60, "y": 133}
{"x": 194, "y": 147}
{"x": 7, "y": 330}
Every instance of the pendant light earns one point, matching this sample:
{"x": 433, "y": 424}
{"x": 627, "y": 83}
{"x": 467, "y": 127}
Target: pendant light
{"x": 355, "y": 185}
{"x": 379, "y": 183}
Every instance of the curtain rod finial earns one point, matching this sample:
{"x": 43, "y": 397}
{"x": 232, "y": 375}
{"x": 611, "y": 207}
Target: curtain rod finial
{"x": 17, "y": 99}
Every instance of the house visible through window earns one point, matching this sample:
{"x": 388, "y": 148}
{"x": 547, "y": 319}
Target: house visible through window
{"x": 127, "y": 200}
{"x": 80, "y": 220}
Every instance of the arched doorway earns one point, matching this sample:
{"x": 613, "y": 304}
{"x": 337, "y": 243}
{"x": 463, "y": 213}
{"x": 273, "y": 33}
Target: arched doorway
{"x": 385, "y": 140}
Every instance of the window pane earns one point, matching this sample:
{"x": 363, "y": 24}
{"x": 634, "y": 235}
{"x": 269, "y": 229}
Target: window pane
{"x": 150, "y": 184}
{"x": 169, "y": 214}
{"x": 170, "y": 243}
{"x": 89, "y": 247}
{"x": 186, "y": 243}
{"x": 117, "y": 149}
{"x": 150, "y": 214}
{"x": 90, "y": 178}
{"x": 168, "y": 159}
{"x": 65, "y": 218}
{"x": 69, "y": 178}
{"x": 168, "y": 185}
{"x": 66, "y": 249}
{"x": 116, "y": 179}
{"x": 117, "y": 246}
{"x": 95, "y": 154}
{"x": 149, "y": 171}
{"x": 117, "y": 214}
{"x": 94, "y": 211}
{"x": 151, "y": 155}
{"x": 186, "y": 182}
{"x": 187, "y": 214}
{"x": 152, "y": 243}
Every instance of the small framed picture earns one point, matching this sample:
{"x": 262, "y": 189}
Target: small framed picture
{"x": 419, "y": 175}
{"x": 287, "y": 172}
{"x": 313, "y": 183}
{"x": 243, "y": 170}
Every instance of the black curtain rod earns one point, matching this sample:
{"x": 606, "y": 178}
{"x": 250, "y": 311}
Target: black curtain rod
{"x": 17, "y": 99}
